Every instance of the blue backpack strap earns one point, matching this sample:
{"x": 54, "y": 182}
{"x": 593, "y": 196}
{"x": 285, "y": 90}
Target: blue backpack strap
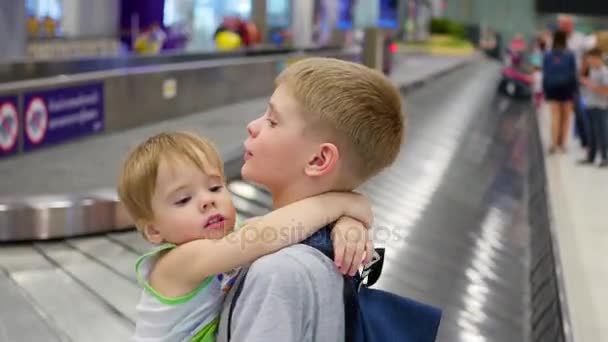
{"x": 237, "y": 293}
{"x": 322, "y": 242}
{"x": 351, "y": 308}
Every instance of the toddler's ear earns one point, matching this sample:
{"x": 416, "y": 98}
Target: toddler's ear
{"x": 152, "y": 234}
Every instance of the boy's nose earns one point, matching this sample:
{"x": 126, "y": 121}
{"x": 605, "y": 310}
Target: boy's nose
{"x": 252, "y": 128}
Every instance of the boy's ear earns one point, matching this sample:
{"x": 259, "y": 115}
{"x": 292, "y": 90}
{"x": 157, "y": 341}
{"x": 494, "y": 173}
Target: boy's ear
{"x": 324, "y": 161}
{"x": 151, "y": 233}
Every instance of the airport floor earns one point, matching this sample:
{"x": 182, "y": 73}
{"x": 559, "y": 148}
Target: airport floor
{"x": 579, "y": 205}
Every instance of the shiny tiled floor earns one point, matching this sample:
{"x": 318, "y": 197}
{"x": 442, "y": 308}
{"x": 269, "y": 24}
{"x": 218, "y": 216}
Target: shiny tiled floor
{"x": 579, "y": 200}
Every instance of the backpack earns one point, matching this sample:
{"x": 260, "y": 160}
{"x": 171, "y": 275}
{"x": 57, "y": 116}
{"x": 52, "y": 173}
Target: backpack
{"x": 373, "y": 315}
{"x": 559, "y": 70}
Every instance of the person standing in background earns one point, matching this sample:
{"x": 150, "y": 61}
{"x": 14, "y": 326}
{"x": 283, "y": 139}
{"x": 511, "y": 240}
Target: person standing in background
{"x": 536, "y": 61}
{"x": 579, "y": 44}
{"x": 597, "y": 107}
{"x": 33, "y": 26}
{"x": 50, "y": 27}
{"x": 560, "y": 88}
{"x": 150, "y": 41}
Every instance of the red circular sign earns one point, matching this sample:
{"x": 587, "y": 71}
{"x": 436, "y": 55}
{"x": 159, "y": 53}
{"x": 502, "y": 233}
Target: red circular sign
{"x": 9, "y": 126}
{"x": 36, "y": 120}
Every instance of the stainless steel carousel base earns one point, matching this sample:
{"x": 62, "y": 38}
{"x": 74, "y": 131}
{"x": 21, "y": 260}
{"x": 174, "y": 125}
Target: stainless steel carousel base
{"x": 62, "y": 216}
{"x": 49, "y": 217}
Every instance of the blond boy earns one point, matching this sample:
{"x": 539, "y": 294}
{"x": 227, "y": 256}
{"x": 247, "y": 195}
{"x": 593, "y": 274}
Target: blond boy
{"x": 330, "y": 125}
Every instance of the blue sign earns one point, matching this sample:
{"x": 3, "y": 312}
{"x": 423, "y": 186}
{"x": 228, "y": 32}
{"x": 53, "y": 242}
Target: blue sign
{"x": 345, "y": 14}
{"x": 389, "y": 14}
{"x": 60, "y": 115}
{"x": 9, "y": 125}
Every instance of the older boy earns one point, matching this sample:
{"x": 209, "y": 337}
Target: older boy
{"x": 330, "y": 125}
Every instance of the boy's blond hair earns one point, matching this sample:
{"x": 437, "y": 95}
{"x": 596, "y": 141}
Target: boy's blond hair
{"x": 137, "y": 179}
{"x": 360, "y": 107}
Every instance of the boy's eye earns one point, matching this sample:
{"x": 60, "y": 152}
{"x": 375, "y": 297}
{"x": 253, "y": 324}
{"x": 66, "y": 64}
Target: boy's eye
{"x": 216, "y": 188}
{"x": 183, "y": 200}
{"x": 272, "y": 123}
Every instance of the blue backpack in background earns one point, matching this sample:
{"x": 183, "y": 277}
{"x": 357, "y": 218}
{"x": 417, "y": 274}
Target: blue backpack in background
{"x": 373, "y": 315}
{"x": 559, "y": 70}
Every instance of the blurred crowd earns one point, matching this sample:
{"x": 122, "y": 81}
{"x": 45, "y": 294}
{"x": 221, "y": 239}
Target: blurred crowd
{"x": 42, "y": 27}
{"x": 233, "y": 33}
{"x": 565, "y": 69}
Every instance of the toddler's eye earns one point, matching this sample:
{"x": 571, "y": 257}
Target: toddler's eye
{"x": 183, "y": 201}
{"x": 216, "y": 188}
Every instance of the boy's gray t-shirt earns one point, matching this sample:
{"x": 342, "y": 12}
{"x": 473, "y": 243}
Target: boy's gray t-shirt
{"x": 294, "y": 294}
{"x": 598, "y": 76}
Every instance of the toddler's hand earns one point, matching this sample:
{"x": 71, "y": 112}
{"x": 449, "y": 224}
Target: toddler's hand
{"x": 352, "y": 245}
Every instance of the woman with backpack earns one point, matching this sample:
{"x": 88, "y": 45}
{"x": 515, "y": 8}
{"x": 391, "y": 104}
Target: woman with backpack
{"x": 559, "y": 85}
